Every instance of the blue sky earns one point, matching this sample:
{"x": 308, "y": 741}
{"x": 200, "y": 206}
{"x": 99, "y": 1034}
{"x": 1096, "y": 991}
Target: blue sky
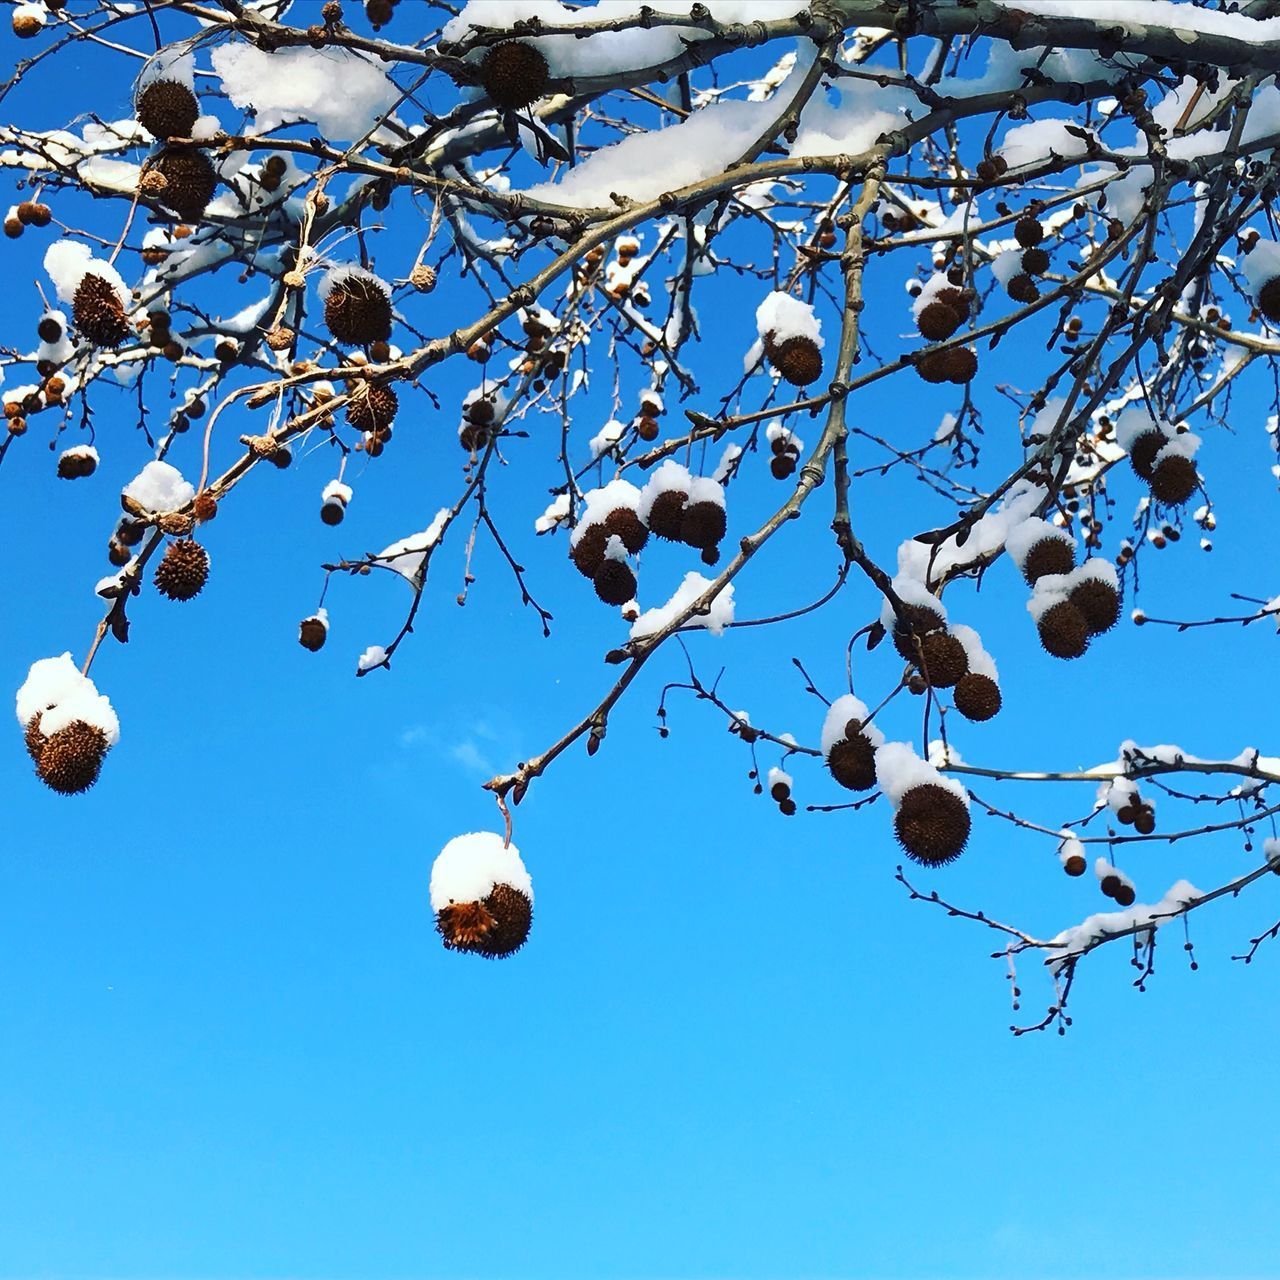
{"x": 231, "y": 1044}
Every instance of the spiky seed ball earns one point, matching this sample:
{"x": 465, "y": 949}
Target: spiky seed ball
{"x": 99, "y": 313}
{"x": 1110, "y": 885}
{"x": 190, "y": 181}
{"x": 1074, "y": 864}
{"x": 961, "y": 364}
{"x": 626, "y": 525}
{"x": 798, "y": 359}
{"x": 666, "y": 515}
{"x": 703, "y": 525}
{"x": 167, "y": 109}
{"x": 917, "y": 618}
{"x": 956, "y": 298}
{"x": 1035, "y": 262}
{"x": 937, "y": 321}
{"x": 934, "y": 366}
{"x": 26, "y": 25}
{"x": 587, "y": 553}
{"x": 49, "y": 329}
{"x": 33, "y": 738}
{"x": 1142, "y": 453}
{"x": 1063, "y": 630}
{"x": 514, "y": 74}
{"x": 183, "y": 570}
{"x": 71, "y": 759}
{"x": 1125, "y": 895}
{"x": 1028, "y": 232}
{"x": 852, "y": 761}
{"x": 372, "y": 407}
{"x": 312, "y": 633}
{"x": 118, "y": 554}
{"x": 358, "y": 311}
{"x": 1144, "y": 821}
{"x": 943, "y": 659}
{"x": 1022, "y": 288}
{"x": 1099, "y": 602}
{"x": 496, "y": 926}
{"x": 614, "y": 582}
{"x": 932, "y": 825}
{"x": 977, "y": 697}
{"x": 1174, "y": 480}
{"x": 1269, "y": 299}
{"x": 1049, "y": 555}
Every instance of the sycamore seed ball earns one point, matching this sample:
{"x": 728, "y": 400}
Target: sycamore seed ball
{"x": 70, "y": 760}
{"x": 1063, "y": 630}
{"x": 1099, "y": 602}
{"x": 1049, "y": 555}
{"x": 183, "y": 570}
{"x": 614, "y": 582}
{"x": 943, "y": 659}
{"x": 167, "y": 109}
{"x": 358, "y": 311}
{"x": 852, "y": 761}
{"x": 798, "y": 359}
{"x": 1174, "y": 480}
{"x": 977, "y": 697}
{"x": 514, "y": 74}
{"x": 932, "y": 825}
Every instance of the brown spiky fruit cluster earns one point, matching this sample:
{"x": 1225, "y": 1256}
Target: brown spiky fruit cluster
{"x": 1118, "y": 890}
{"x": 852, "y": 759}
{"x": 1048, "y": 556}
{"x": 76, "y": 465}
{"x": 183, "y": 570}
{"x": 625, "y": 524}
{"x": 943, "y": 659}
{"x": 167, "y": 109}
{"x": 948, "y": 364}
{"x": 514, "y": 74}
{"x": 786, "y": 453}
{"x": 937, "y": 321}
{"x": 932, "y": 825}
{"x": 703, "y": 526}
{"x": 1142, "y": 453}
{"x": 1269, "y": 300}
{"x": 1098, "y": 602}
{"x": 1174, "y": 479}
{"x": 797, "y": 358}
{"x": 189, "y": 181}
{"x": 312, "y": 633}
{"x": 977, "y": 697}
{"x": 70, "y": 760}
{"x": 1063, "y": 630}
{"x": 1028, "y": 232}
{"x": 372, "y": 407}
{"x": 1138, "y": 814}
{"x": 98, "y": 312}
{"x": 614, "y": 581}
{"x": 358, "y": 311}
{"x": 496, "y": 926}
{"x": 666, "y": 515}
{"x": 915, "y": 621}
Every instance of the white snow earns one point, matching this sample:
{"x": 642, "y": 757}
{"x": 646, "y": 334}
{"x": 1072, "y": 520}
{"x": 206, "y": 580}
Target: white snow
{"x": 471, "y": 866}
{"x": 1032, "y": 143}
{"x": 56, "y": 691}
{"x": 408, "y": 555}
{"x": 981, "y": 663}
{"x": 1261, "y": 265}
{"x": 69, "y": 261}
{"x": 786, "y": 317}
{"x": 336, "y": 491}
{"x": 555, "y": 516}
{"x": 1141, "y": 917}
{"x": 1022, "y": 537}
{"x": 845, "y": 708}
{"x": 348, "y": 271}
{"x": 1136, "y": 422}
{"x": 692, "y": 588}
{"x": 910, "y": 591}
{"x": 669, "y": 475}
{"x": 599, "y": 504}
{"x": 608, "y": 436}
{"x": 899, "y": 770}
{"x": 159, "y": 486}
{"x": 372, "y": 657}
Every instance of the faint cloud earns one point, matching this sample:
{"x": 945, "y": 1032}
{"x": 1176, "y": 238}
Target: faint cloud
{"x": 475, "y": 750}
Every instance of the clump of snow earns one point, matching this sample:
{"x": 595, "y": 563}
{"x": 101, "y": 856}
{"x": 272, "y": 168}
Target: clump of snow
{"x": 341, "y": 91}
{"x": 168, "y": 64}
{"x": 1035, "y": 142}
{"x": 336, "y": 491}
{"x": 599, "y": 504}
{"x": 374, "y": 656}
{"x": 1141, "y": 917}
{"x": 929, "y": 291}
{"x": 910, "y": 591}
{"x": 1006, "y": 265}
{"x": 470, "y": 867}
{"x": 1136, "y": 422}
{"x": 845, "y": 708}
{"x": 1069, "y": 848}
{"x": 783, "y": 317}
{"x": 1261, "y": 265}
{"x": 981, "y": 663}
{"x": 408, "y": 555}
{"x": 692, "y": 588}
{"x": 899, "y": 770}
{"x": 1184, "y": 444}
{"x": 556, "y": 515}
{"x": 159, "y": 486}
{"x": 69, "y": 261}
{"x": 348, "y": 271}
{"x": 608, "y": 436}
{"x": 59, "y": 694}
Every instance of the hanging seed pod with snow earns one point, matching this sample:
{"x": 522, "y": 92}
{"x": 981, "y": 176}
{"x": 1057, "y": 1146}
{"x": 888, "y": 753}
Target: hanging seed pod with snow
{"x": 614, "y": 580}
{"x": 183, "y": 570}
{"x": 357, "y": 306}
{"x": 1142, "y": 436}
{"x": 849, "y": 743}
{"x": 1094, "y": 589}
{"x": 314, "y": 631}
{"x": 333, "y": 502}
{"x": 95, "y": 290}
{"x": 940, "y": 308}
{"x": 514, "y": 74}
{"x": 183, "y": 179}
{"x": 977, "y": 692}
{"x": 608, "y": 512}
{"x": 1039, "y": 548}
{"x": 1114, "y": 883}
{"x": 1071, "y": 855}
{"x": 76, "y": 463}
{"x": 931, "y": 813}
{"x": 922, "y": 613}
{"x": 1173, "y": 475}
{"x": 704, "y": 522}
{"x": 663, "y": 500}
{"x": 164, "y": 99}
{"x": 791, "y": 335}
{"x": 1261, "y": 267}
{"x": 482, "y": 895}
{"x": 1064, "y": 633}
{"x": 68, "y": 725}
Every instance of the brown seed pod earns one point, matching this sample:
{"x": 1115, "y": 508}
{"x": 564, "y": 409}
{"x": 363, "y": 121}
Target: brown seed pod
{"x": 943, "y": 659}
{"x": 1063, "y": 630}
{"x": 626, "y": 525}
{"x": 937, "y": 321}
{"x": 1124, "y": 895}
{"x": 934, "y": 366}
{"x": 1142, "y": 453}
{"x": 189, "y": 181}
{"x": 1035, "y": 262}
{"x": 932, "y": 825}
{"x": 852, "y": 761}
{"x": 71, "y": 759}
{"x": 1074, "y": 864}
{"x": 666, "y": 515}
{"x": 977, "y": 697}
{"x": 26, "y": 25}
{"x": 98, "y": 312}
{"x": 49, "y": 329}
{"x": 917, "y": 618}
{"x": 1022, "y": 288}
{"x": 358, "y": 311}
{"x": 312, "y": 633}
{"x": 961, "y": 364}
{"x": 75, "y": 465}
{"x": 1048, "y": 556}
{"x": 798, "y": 359}
{"x": 183, "y": 570}
{"x": 703, "y": 524}
{"x": 514, "y": 74}
{"x": 647, "y": 428}
{"x": 1144, "y": 821}
{"x": 587, "y": 553}
{"x": 1174, "y": 479}
{"x": 205, "y": 507}
{"x": 372, "y": 407}
{"x": 423, "y": 278}
{"x": 167, "y": 109}
{"x": 1099, "y": 602}
{"x": 1269, "y": 299}
{"x": 494, "y": 927}
{"x": 614, "y": 582}
{"x": 1028, "y": 232}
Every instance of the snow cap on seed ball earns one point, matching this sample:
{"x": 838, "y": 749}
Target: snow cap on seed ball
{"x": 981, "y": 663}
{"x": 1026, "y": 534}
{"x": 598, "y": 504}
{"x": 68, "y": 262}
{"x": 1136, "y": 422}
{"x": 470, "y": 866}
{"x": 59, "y": 694}
{"x": 669, "y": 477}
{"x": 783, "y": 317}
{"x": 1184, "y": 445}
{"x": 899, "y": 770}
{"x": 845, "y": 708}
{"x": 911, "y": 591}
